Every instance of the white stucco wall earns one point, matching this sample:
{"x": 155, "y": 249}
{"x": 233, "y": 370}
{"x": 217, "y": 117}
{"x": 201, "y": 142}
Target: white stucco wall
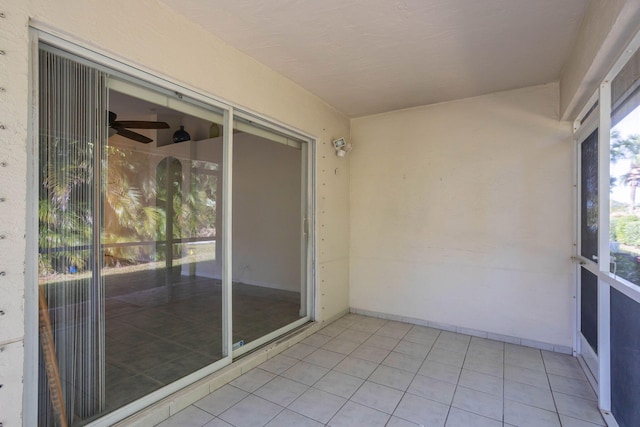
{"x": 148, "y": 34}
{"x": 461, "y": 214}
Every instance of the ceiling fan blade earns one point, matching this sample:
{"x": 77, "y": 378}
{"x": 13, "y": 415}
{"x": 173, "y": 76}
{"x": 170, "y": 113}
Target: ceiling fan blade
{"x": 139, "y": 124}
{"x": 132, "y": 135}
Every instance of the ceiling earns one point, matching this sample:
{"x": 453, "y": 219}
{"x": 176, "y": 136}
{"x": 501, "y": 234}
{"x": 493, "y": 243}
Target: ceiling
{"x": 370, "y": 56}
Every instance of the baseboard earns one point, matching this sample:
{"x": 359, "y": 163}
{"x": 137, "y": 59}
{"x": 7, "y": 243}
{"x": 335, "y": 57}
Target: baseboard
{"x": 467, "y": 331}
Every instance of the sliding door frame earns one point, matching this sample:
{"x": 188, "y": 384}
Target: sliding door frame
{"x": 122, "y": 68}
{"x": 606, "y": 280}
{"x": 308, "y": 198}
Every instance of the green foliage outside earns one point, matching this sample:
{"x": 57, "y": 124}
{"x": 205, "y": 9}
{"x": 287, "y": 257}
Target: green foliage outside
{"x": 625, "y": 230}
{"x": 133, "y": 202}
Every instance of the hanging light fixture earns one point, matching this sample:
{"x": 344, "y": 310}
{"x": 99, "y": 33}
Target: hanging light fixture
{"x": 181, "y": 135}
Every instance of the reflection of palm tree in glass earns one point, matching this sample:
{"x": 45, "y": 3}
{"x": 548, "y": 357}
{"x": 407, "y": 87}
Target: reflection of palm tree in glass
{"x": 627, "y": 149}
{"x": 632, "y": 180}
{"x": 130, "y": 210}
{"x": 65, "y": 204}
{"x": 135, "y": 205}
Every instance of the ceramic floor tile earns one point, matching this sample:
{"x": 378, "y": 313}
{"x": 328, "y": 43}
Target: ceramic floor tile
{"x": 188, "y": 417}
{"x": 340, "y": 346}
{"x": 355, "y": 336}
{"x": 251, "y": 412}
{"x": 340, "y": 384}
{"x": 288, "y": 418}
{"x": 489, "y": 367}
{"x": 478, "y": 402}
{"x": 483, "y": 353}
{"x": 252, "y": 380}
{"x": 353, "y": 414}
{"x": 398, "y": 388}
{"x": 372, "y": 354}
{"x": 281, "y": 391}
{"x": 345, "y": 322}
{"x": 366, "y": 327}
{"x": 299, "y": 351}
{"x": 529, "y": 395}
{"x": 377, "y": 396}
{"x": 316, "y": 340}
{"x": 221, "y": 400}
{"x": 325, "y": 358}
{"x": 331, "y": 330}
{"x": 440, "y": 371}
{"x": 369, "y": 322}
{"x": 575, "y": 407}
{"x": 392, "y": 377}
{"x": 486, "y": 343}
{"x": 521, "y": 415}
{"x": 393, "y": 332}
{"x": 451, "y": 345}
{"x": 356, "y": 367}
{"x": 459, "y": 418}
{"x": 318, "y": 405}
{"x": 574, "y": 422}
{"x": 278, "y": 364}
{"x": 430, "y": 388}
{"x": 217, "y": 422}
{"x": 403, "y": 361}
{"x": 399, "y": 422}
{"x": 446, "y": 357}
{"x": 420, "y": 338}
{"x": 523, "y": 357}
{"x": 526, "y": 376}
{"x": 379, "y": 341}
{"x": 448, "y": 336}
{"x": 572, "y": 387}
{"x": 305, "y": 373}
{"x": 412, "y": 349}
{"x": 481, "y": 382}
{"x": 394, "y": 324}
{"x": 566, "y": 370}
{"x": 421, "y": 411}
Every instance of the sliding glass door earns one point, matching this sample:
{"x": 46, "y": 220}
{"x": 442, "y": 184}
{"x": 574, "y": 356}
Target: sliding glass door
{"x": 269, "y": 233}
{"x": 140, "y": 291}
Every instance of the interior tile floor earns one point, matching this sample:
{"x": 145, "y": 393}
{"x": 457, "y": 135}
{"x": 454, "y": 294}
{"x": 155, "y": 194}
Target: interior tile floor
{"x": 156, "y": 334}
{"x": 363, "y": 371}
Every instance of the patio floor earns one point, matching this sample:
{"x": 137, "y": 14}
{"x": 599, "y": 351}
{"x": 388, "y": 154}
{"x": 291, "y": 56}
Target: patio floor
{"x": 364, "y": 371}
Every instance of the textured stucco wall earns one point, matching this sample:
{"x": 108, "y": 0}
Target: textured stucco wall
{"x": 461, "y": 214}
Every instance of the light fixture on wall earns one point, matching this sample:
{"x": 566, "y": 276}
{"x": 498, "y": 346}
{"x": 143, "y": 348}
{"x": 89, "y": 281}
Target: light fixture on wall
{"x": 342, "y": 147}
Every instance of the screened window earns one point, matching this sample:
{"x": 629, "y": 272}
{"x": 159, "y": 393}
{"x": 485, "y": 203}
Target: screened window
{"x": 625, "y": 172}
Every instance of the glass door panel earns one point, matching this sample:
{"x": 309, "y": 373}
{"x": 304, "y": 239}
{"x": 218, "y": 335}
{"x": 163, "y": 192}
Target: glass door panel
{"x": 269, "y": 240}
{"x": 163, "y": 293}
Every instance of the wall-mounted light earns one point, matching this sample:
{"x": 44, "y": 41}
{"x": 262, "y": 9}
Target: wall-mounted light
{"x": 342, "y": 147}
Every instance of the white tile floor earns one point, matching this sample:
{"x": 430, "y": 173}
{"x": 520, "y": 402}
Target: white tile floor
{"x": 363, "y": 371}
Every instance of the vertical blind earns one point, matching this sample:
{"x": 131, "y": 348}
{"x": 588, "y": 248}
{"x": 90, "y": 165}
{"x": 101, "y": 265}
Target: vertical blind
{"x": 72, "y": 131}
